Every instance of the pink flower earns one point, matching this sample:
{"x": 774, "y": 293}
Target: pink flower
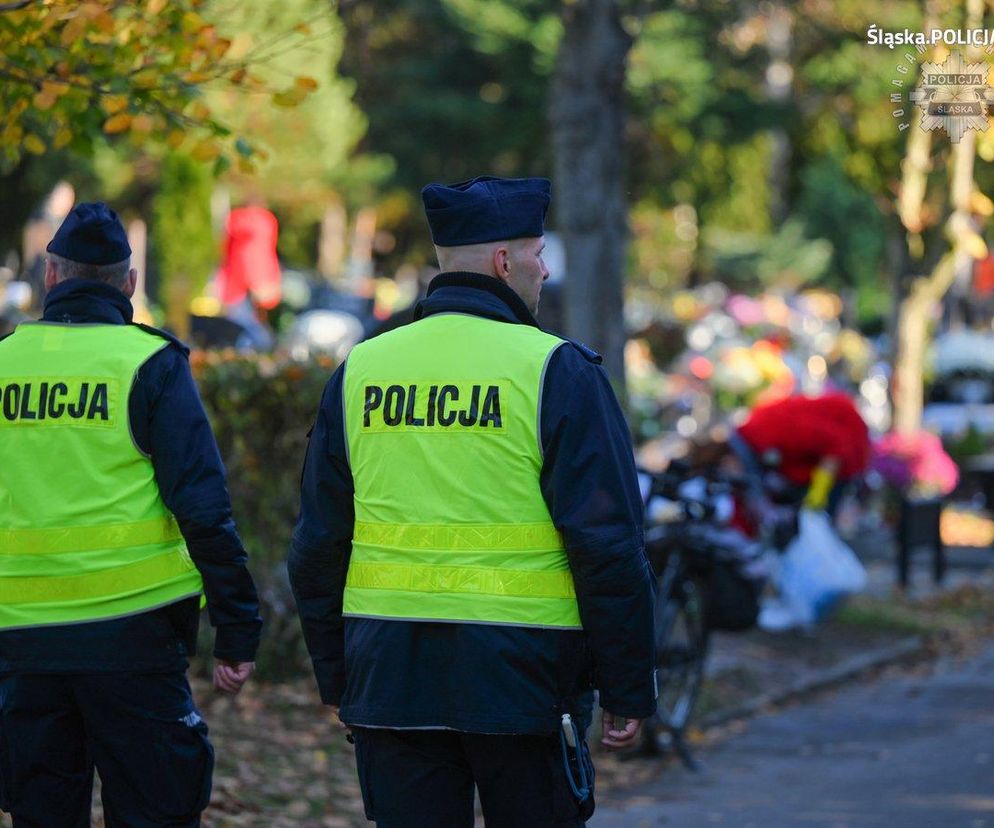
{"x": 916, "y": 462}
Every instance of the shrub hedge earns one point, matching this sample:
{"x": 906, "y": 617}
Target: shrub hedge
{"x": 261, "y": 409}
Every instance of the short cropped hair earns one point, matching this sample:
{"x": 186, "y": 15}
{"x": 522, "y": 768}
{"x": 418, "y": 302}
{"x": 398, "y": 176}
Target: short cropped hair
{"x": 115, "y": 274}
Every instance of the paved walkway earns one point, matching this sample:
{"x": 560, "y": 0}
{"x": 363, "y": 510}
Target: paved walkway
{"x": 905, "y": 751}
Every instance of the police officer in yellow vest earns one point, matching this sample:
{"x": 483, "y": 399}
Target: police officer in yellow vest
{"x": 114, "y": 519}
{"x": 468, "y": 564}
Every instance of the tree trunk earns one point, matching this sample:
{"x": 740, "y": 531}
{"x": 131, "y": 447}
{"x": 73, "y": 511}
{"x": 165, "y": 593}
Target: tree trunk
{"x": 912, "y": 332}
{"x": 778, "y": 86}
{"x": 966, "y": 244}
{"x": 926, "y": 292}
{"x": 587, "y": 119}
{"x": 177, "y": 293}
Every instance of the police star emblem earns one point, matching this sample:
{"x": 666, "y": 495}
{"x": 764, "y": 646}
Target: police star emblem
{"x": 954, "y": 96}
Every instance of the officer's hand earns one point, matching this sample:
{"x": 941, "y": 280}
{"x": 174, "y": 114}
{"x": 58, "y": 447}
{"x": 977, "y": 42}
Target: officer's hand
{"x": 229, "y": 676}
{"x": 614, "y": 739}
{"x": 337, "y": 720}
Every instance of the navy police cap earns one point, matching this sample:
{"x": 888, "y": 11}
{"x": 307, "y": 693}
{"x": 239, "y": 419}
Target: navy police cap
{"x": 91, "y": 234}
{"x": 486, "y": 209}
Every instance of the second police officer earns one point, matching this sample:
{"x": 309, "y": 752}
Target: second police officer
{"x": 468, "y": 563}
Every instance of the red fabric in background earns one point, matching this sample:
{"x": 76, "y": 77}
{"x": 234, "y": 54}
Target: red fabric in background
{"x": 250, "y": 264}
{"x": 983, "y": 276}
{"x": 804, "y": 430}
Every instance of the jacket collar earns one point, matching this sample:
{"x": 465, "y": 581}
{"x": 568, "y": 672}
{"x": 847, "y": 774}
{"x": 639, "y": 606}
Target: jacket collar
{"x": 465, "y": 292}
{"x": 83, "y": 300}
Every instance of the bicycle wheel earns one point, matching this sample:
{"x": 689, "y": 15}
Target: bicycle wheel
{"x": 681, "y": 644}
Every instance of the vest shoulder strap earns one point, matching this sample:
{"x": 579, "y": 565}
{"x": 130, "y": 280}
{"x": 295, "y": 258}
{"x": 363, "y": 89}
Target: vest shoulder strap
{"x": 172, "y": 340}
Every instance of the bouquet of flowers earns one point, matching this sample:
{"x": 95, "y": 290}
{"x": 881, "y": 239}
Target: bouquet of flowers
{"x": 915, "y": 464}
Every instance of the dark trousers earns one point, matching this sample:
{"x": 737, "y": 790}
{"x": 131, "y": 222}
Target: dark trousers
{"x": 141, "y": 732}
{"x": 425, "y": 779}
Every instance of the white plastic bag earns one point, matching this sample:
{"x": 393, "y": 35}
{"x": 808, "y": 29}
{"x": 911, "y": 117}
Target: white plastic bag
{"x": 817, "y": 570}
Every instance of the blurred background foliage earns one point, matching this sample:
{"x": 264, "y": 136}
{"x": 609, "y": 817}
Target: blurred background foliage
{"x": 412, "y": 91}
{"x": 261, "y": 410}
{"x": 182, "y": 236}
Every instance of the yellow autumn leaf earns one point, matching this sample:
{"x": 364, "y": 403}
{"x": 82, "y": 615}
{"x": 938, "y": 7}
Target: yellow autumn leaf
{"x": 73, "y": 30}
{"x": 33, "y": 144}
{"x": 156, "y": 6}
{"x": 44, "y": 100}
{"x": 200, "y": 111}
{"x": 117, "y": 123}
{"x": 290, "y": 97}
{"x": 206, "y": 150}
{"x": 142, "y": 123}
{"x": 112, "y": 104}
{"x": 241, "y": 45}
{"x": 62, "y": 137}
{"x": 47, "y": 23}
{"x": 306, "y": 82}
{"x": 175, "y": 138}
{"x": 220, "y": 47}
{"x": 105, "y": 22}
{"x": 207, "y": 36}
{"x": 191, "y": 23}
{"x": 54, "y": 87}
{"x": 145, "y": 78}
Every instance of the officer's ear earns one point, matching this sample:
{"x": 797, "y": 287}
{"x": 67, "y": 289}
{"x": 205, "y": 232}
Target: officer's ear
{"x": 130, "y": 283}
{"x": 501, "y": 261}
{"x": 51, "y": 275}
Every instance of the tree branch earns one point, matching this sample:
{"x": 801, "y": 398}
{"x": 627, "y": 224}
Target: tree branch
{"x": 18, "y": 4}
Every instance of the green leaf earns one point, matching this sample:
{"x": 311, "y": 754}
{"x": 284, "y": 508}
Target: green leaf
{"x": 221, "y": 165}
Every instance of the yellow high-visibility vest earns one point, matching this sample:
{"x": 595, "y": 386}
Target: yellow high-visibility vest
{"x": 443, "y": 434}
{"x": 84, "y": 533}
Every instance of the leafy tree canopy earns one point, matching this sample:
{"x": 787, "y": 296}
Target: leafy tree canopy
{"x": 72, "y": 71}
{"x": 453, "y": 88}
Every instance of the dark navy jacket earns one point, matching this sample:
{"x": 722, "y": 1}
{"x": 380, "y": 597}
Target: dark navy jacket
{"x": 490, "y": 678}
{"x": 169, "y": 424}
